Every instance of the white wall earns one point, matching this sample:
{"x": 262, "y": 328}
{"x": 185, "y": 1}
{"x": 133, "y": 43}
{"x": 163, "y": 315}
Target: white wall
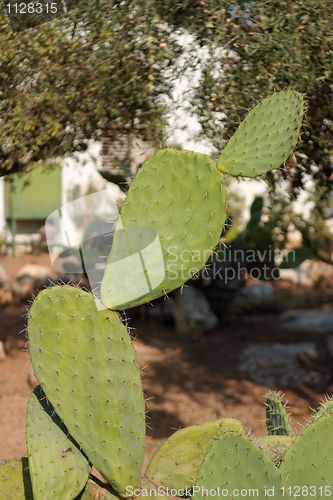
{"x": 86, "y": 196}
{"x": 80, "y": 175}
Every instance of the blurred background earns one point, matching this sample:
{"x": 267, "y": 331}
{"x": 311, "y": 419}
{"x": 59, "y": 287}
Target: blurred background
{"x": 85, "y": 98}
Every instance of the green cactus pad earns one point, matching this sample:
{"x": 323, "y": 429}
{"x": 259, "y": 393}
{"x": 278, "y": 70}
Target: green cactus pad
{"x": 172, "y": 220}
{"x": 234, "y": 463}
{"x": 85, "y": 363}
{"x": 309, "y": 460}
{"x": 94, "y": 492}
{"x": 277, "y": 420}
{"x": 57, "y": 468}
{"x": 176, "y": 463}
{"x": 15, "y": 481}
{"x": 266, "y": 137}
{"x": 274, "y": 446}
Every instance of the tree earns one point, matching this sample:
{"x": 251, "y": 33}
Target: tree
{"x": 100, "y": 70}
{"x": 95, "y": 72}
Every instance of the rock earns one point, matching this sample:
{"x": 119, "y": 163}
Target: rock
{"x": 4, "y": 278}
{"x": 259, "y": 297}
{"x": 2, "y": 352}
{"x": 192, "y": 312}
{"x": 30, "y": 278}
{"x": 282, "y": 365}
{"x": 308, "y": 320}
{"x": 6, "y": 296}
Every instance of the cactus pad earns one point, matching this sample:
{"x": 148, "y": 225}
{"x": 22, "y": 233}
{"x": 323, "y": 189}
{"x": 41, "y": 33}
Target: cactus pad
{"x": 85, "y": 363}
{"x": 176, "y": 463}
{"x": 171, "y": 221}
{"x": 234, "y": 463}
{"x": 277, "y": 420}
{"x": 15, "y": 481}
{"x": 57, "y": 468}
{"x": 266, "y": 137}
{"x": 309, "y": 460}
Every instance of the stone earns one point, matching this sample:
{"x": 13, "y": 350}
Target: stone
{"x": 6, "y": 296}
{"x": 308, "y": 320}
{"x": 282, "y": 365}
{"x": 30, "y": 278}
{"x": 192, "y": 312}
{"x": 259, "y": 297}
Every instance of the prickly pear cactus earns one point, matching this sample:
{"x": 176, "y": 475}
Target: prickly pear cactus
{"x": 172, "y": 220}
{"x": 176, "y": 463}
{"x": 266, "y": 137}
{"x": 57, "y": 468}
{"x": 308, "y": 462}
{"x": 15, "y": 481}
{"x": 277, "y": 420}
{"x": 234, "y": 463}
{"x": 85, "y": 363}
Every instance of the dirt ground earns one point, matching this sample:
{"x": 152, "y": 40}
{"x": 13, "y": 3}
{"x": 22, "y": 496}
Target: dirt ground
{"x": 187, "y": 379}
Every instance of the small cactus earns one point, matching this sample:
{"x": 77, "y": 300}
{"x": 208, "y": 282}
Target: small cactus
{"x": 277, "y": 420}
